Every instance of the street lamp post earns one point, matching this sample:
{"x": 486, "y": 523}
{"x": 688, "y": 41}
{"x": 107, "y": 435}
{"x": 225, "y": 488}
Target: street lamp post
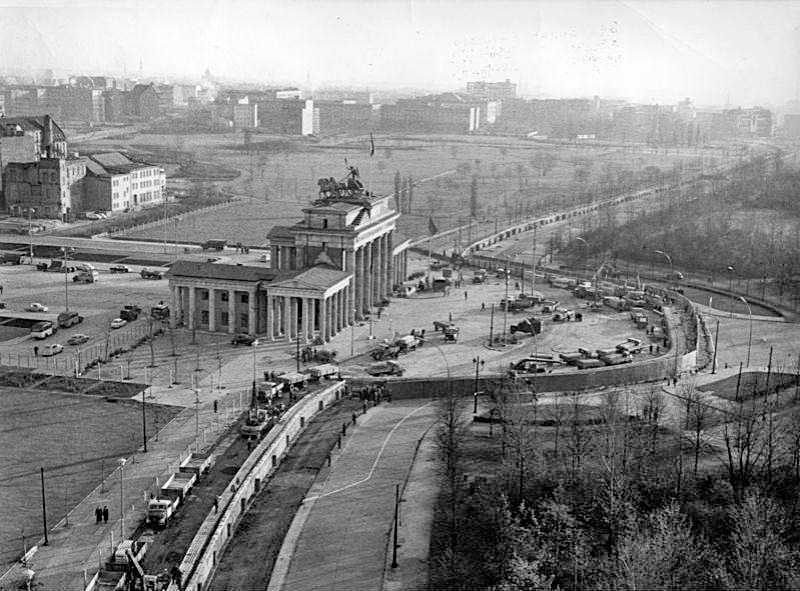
{"x": 731, "y": 270}
{"x": 669, "y": 260}
{"x": 31, "y": 211}
{"x": 750, "y": 333}
{"x": 505, "y": 307}
{"x": 122, "y": 462}
{"x": 478, "y": 364}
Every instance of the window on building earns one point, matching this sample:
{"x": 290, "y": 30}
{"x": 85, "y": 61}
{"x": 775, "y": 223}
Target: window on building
{"x": 243, "y": 319}
{"x": 245, "y": 298}
{"x": 204, "y": 316}
{"x": 223, "y": 318}
{"x": 204, "y": 295}
{"x": 223, "y": 296}
{"x": 324, "y": 222}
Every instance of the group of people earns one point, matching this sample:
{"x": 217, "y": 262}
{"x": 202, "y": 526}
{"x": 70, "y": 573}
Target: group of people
{"x": 101, "y": 514}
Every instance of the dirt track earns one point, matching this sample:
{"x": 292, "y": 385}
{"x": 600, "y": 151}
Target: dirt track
{"x": 248, "y": 560}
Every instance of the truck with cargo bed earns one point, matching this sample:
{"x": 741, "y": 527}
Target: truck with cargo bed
{"x": 257, "y": 425}
{"x": 161, "y": 509}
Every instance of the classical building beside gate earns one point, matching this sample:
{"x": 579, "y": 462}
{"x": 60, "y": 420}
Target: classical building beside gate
{"x": 335, "y": 265}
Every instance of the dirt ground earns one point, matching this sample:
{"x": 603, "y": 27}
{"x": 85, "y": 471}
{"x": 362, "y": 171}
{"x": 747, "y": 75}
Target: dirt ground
{"x": 280, "y": 174}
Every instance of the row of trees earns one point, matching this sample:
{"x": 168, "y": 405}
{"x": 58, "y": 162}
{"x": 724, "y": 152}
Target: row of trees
{"x": 638, "y": 491}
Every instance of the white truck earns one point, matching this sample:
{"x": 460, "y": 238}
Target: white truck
{"x": 161, "y": 509}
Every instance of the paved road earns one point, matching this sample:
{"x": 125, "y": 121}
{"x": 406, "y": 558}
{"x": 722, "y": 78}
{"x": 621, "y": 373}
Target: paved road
{"x": 347, "y": 518}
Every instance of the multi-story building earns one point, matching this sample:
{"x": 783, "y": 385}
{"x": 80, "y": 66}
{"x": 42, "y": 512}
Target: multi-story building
{"x": 444, "y": 113}
{"x": 77, "y": 103}
{"x": 116, "y": 183}
{"x": 143, "y": 102}
{"x": 283, "y": 116}
{"x": 28, "y": 139}
{"x": 49, "y": 188}
{"x": 492, "y": 91}
{"x": 343, "y": 95}
{"x": 335, "y": 265}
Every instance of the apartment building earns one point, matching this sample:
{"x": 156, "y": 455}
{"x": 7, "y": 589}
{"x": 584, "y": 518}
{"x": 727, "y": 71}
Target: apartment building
{"x": 116, "y": 183}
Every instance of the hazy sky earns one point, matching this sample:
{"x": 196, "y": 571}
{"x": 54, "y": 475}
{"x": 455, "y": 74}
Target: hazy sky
{"x": 645, "y": 51}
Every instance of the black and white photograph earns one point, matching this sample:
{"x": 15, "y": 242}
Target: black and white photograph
{"x": 399, "y": 295}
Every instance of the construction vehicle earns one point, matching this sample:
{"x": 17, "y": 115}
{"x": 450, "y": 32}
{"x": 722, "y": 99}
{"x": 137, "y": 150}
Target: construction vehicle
{"x": 257, "y": 424}
{"x": 161, "y": 509}
{"x": 385, "y": 368}
{"x": 67, "y": 319}
{"x": 86, "y": 277}
{"x": 534, "y": 364}
{"x": 532, "y": 326}
{"x": 160, "y": 311}
{"x": 293, "y": 379}
{"x": 128, "y": 314}
{"x": 451, "y": 334}
{"x": 385, "y": 352}
{"x": 268, "y": 391}
{"x": 325, "y": 371}
{"x": 150, "y": 274}
{"x": 570, "y": 357}
{"x": 479, "y": 276}
{"x": 615, "y": 359}
{"x": 588, "y": 363}
{"x": 549, "y": 306}
{"x": 408, "y": 343}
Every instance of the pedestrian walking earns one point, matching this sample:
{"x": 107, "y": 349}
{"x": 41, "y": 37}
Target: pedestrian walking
{"x": 216, "y": 504}
{"x": 36, "y": 351}
{"x": 98, "y": 514}
{"x": 1, "y": 290}
{"x": 451, "y": 316}
{"x": 483, "y": 306}
{"x": 354, "y": 418}
{"x": 651, "y": 348}
{"x": 465, "y": 296}
{"x": 105, "y": 513}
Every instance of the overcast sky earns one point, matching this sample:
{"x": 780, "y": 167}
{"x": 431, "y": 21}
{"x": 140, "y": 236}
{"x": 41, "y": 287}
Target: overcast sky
{"x": 747, "y": 52}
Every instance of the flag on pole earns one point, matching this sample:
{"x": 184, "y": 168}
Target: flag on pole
{"x": 371, "y": 145}
{"x": 432, "y": 229}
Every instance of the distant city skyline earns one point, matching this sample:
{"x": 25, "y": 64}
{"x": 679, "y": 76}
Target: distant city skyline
{"x": 714, "y": 52}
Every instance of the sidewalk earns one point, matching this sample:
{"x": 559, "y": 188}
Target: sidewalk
{"x": 343, "y": 540}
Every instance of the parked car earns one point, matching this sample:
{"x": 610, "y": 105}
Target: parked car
{"x": 244, "y": 339}
{"x": 119, "y": 269}
{"x": 84, "y": 277}
{"x": 77, "y": 339}
{"x": 67, "y": 319}
{"x": 51, "y": 349}
{"x": 118, "y": 323}
{"x": 383, "y": 368}
{"x": 93, "y": 216}
{"x": 37, "y": 307}
{"x": 128, "y": 315}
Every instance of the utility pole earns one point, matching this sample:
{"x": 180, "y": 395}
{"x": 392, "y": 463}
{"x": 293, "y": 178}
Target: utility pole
{"x": 66, "y": 282}
{"x": 716, "y": 343}
{"x": 396, "y": 515}
{"x": 505, "y": 308}
{"x": 533, "y": 261}
{"x": 144, "y": 424}
{"x": 196, "y": 420}
{"x": 44, "y": 508}
{"x": 491, "y": 327}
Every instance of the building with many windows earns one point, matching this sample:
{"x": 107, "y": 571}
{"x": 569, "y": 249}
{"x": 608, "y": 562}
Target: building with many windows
{"x": 335, "y": 265}
{"x": 116, "y": 183}
{"x": 49, "y": 188}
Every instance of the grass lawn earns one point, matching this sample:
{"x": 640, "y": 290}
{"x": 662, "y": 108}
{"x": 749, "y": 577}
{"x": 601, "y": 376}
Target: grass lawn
{"x": 75, "y": 438}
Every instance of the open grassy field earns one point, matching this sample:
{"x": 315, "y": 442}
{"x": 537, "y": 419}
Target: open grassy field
{"x": 279, "y": 175}
{"x": 76, "y": 439}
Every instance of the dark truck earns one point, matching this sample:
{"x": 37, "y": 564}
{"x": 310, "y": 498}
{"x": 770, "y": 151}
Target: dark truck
{"x": 530, "y": 325}
{"x": 214, "y": 244}
{"x": 150, "y": 274}
{"x": 10, "y": 258}
{"x": 55, "y": 266}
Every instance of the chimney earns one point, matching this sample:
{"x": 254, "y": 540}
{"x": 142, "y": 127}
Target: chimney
{"x": 47, "y": 140}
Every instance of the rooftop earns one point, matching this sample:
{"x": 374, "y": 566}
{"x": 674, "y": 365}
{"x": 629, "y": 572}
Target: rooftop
{"x": 183, "y": 268}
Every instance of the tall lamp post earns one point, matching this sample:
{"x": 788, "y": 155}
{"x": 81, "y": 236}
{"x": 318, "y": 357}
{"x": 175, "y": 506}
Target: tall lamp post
{"x": 731, "y": 270}
{"x": 478, "y": 364}
{"x": 507, "y": 272}
{"x": 586, "y": 249}
{"x": 31, "y": 211}
{"x": 122, "y": 462}
{"x": 750, "y": 333}
{"x": 669, "y": 260}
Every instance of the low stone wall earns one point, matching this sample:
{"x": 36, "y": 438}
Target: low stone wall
{"x": 211, "y": 538}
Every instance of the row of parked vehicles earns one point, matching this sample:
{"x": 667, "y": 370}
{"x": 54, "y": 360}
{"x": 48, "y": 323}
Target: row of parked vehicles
{"x": 582, "y": 358}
